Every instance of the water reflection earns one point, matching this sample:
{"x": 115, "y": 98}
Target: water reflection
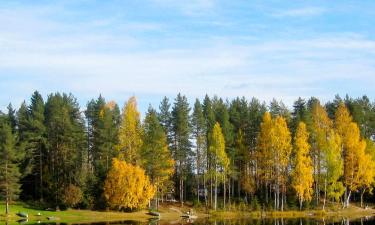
{"x": 343, "y": 221}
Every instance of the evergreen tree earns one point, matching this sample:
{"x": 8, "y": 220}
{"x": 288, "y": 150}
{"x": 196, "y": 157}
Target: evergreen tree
{"x": 9, "y": 159}
{"x": 12, "y": 118}
{"x": 165, "y": 118}
{"x": 199, "y": 132}
{"x": 181, "y": 144}
{"x": 66, "y": 145}
{"x": 33, "y": 136}
{"x": 155, "y": 156}
{"x": 103, "y": 125}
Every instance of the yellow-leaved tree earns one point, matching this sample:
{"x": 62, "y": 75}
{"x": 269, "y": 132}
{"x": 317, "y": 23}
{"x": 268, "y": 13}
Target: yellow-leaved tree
{"x": 219, "y": 157}
{"x": 357, "y": 162}
{"x": 130, "y": 133}
{"x": 319, "y": 130}
{"x": 273, "y": 153}
{"x": 366, "y": 169}
{"x": 334, "y": 166}
{"x": 281, "y": 142}
{"x": 302, "y": 175}
{"x": 127, "y": 187}
{"x": 264, "y": 152}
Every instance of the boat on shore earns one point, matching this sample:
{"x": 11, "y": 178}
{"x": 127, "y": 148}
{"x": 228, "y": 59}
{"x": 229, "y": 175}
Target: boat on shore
{"x": 22, "y": 214}
{"x": 154, "y": 213}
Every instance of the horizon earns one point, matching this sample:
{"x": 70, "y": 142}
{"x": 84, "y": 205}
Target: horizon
{"x": 157, "y": 48}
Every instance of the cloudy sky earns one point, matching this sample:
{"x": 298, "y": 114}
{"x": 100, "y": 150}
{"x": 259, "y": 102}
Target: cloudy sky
{"x": 152, "y": 48}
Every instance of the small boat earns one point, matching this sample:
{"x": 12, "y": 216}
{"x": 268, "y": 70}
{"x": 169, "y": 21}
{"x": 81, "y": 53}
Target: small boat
{"x": 22, "y": 214}
{"x": 22, "y": 221}
{"x": 154, "y": 213}
{"x": 188, "y": 216}
{"x": 52, "y": 218}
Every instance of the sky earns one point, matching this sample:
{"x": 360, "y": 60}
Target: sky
{"x": 155, "y": 48}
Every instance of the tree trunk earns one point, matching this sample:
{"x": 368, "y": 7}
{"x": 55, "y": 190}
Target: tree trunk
{"x": 211, "y": 190}
{"x": 205, "y": 188}
{"x": 198, "y": 167}
{"x": 41, "y": 173}
{"x": 181, "y": 192}
{"x": 325, "y": 193}
{"x": 215, "y": 204}
{"x": 7, "y": 189}
{"x": 348, "y": 200}
{"x": 362, "y": 193}
{"x": 225, "y": 190}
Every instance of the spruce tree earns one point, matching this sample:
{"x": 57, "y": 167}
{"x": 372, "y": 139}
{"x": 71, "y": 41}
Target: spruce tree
{"x": 181, "y": 144}
{"x": 9, "y": 161}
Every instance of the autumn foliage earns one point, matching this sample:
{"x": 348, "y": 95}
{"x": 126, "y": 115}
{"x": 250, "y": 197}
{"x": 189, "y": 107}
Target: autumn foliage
{"x": 72, "y": 195}
{"x": 127, "y": 187}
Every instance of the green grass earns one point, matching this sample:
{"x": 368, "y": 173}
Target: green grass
{"x": 68, "y": 216}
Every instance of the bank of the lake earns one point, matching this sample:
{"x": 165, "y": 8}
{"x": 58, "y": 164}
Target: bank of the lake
{"x": 352, "y": 212}
{"x": 168, "y": 213}
{"x": 171, "y": 213}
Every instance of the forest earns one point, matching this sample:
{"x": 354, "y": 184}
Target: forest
{"x": 215, "y": 153}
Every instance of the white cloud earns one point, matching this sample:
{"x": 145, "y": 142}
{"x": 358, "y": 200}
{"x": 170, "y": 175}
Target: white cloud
{"x": 300, "y": 12}
{"x": 189, "y": 8}
{"x": 86, "y": 60}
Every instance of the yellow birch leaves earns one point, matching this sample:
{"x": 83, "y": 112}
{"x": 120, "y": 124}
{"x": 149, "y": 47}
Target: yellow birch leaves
{"x": 127, "y": 186}
{"x": 130, "y": 133}
{"x": 302, "y": 175}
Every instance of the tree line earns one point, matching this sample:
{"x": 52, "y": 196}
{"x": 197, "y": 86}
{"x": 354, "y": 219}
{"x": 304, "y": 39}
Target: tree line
{"x": 215, "y": 153}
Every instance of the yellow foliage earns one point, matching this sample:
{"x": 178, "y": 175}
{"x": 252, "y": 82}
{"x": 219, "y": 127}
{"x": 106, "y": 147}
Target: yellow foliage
{"x": 358, "y": 164}
{"x": 264, "y": 148}
{"x": 130, "y": 133}
{"x": 302, "y": 176}
{"x": 127, "y": 186}
{"x": 274, "y": 148}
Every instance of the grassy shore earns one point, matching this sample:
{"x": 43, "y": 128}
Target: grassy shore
{"x": 352, "y": 212}
{"x": 172, "y": 213}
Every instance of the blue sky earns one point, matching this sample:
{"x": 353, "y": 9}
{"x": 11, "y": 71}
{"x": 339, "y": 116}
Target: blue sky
{"x": 153, "y": 48}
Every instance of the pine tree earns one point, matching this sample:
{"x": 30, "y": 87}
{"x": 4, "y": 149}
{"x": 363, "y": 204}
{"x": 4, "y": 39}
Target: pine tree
{"x": 181, "y": 144}
{"x": 155, "y": 156}
{"x": 12, "y": 120}
{"x": 165, "y": 118}
{"x": 66, "y": 145}
{"x": 9, "y": 159}
{"x": 37, "y": 140}
{"x": 210, "y": 120}
{"x": 199, "y": 134}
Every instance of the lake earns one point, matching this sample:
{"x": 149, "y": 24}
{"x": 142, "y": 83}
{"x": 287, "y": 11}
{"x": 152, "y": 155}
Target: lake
{"x": 306, "y": 221}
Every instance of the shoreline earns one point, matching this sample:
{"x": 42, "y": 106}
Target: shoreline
{"x": 173, "y": 214}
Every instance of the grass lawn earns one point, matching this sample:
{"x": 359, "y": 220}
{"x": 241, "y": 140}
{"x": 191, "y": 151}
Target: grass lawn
{"x": 69, "y": 216}
{"x": 171, "y": 212}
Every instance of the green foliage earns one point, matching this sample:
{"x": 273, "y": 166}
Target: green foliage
{"x": 9, "y": 160}
{"x": 184, "y": 154}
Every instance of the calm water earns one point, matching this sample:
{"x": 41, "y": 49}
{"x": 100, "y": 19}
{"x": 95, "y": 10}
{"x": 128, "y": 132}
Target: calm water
{"x": 363, "y": 221}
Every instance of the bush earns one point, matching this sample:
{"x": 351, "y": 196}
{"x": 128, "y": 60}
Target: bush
{"x": 255, "y": 204}
{"x": 72, "y": 196}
